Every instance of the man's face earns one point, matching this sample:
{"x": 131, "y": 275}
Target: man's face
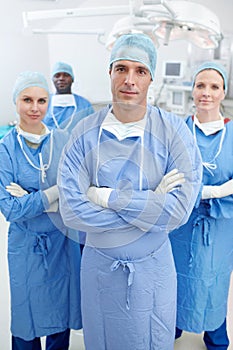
{"x": 62, "y": 82}
{"x": 130, "y": 82}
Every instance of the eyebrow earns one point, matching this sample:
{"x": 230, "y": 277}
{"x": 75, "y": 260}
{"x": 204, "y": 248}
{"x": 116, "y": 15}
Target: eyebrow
{"x": 124, "y": 65}
{"x": 28, "y": 96}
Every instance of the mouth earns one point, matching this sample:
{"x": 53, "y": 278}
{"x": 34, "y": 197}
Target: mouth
{"x": 34, "y": 116}
{"x": 205, "y": 101}
{"x": 130, "y": 93}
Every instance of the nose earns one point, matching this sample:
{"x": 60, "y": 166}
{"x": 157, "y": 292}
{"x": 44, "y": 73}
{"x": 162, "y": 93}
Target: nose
{"x": 35, "y": 106}
{"x": 130, "y": 78}
{"x": 206, "y": 91}
{"x": 62, "y": 76}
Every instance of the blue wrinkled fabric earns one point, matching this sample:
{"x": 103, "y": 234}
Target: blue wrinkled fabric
{"x": 63, "y": 114}
{"x": 128, "y": 278}
{"x": 203, "y": 247}
{"x": 43, "y": 263}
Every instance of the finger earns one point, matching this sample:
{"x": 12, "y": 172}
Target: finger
{"x": 14, "y": 193}
{"x": 174, "y": 178}
{"x": 13, "y": 184}
{"x": 12, "y": 190}
{"x": 171, "y": 173}
{"x": 175, "y": 185}
{"x": 8, "y": 189}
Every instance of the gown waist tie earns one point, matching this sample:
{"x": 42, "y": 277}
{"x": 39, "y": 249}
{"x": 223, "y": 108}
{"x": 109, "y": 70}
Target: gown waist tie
{"x": 206, "y": 237}
{"x": 126, "y": 265}
{"x": 42, "y": 246}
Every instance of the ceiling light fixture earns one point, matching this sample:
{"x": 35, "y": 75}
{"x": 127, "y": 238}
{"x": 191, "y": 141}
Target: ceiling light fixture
{"x": 162, "y": 20}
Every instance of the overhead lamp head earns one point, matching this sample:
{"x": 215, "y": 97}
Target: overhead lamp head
{"x": 188, "y": 21}
{"x": 131, "y": 25}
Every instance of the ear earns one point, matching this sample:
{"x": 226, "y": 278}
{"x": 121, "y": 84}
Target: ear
{"x": 223, "y": 95}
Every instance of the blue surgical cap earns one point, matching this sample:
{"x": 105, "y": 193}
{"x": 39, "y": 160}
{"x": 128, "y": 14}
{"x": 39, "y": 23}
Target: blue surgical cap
{"x": 62, "y": 67}
{"x": 215, "y": 66}
{"x": 27, "y": 79}
{"x": 135, "y": 47}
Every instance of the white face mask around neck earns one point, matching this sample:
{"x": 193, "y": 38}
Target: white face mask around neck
{"x": 210, "y": 127}
{"x": 33, "y": 138}
{"x": 63, "y": 100}
{"x": 123, "y": 130}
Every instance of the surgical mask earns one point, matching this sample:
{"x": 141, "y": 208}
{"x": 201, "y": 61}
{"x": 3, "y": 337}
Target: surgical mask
{"x": 210, "y": 127}
{"x": 34, "y": 138}
{"x": 123, "y": 130}
{"x": 66, "y": 100}
{"x": 63, "y": 100}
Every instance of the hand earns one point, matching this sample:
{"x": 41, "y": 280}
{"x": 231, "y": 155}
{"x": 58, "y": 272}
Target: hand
{"x": 99, "y": 195}
{"x": 53, "y": 208}
{"x": 170, "y": 181}
{"x": 226, "y": 189}
{"x": 52, "y": 193}
{"x": 16, "y": 190}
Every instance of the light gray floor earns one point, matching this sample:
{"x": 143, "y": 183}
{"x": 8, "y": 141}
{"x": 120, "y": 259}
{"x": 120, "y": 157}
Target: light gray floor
{"x": 188, "y": 341}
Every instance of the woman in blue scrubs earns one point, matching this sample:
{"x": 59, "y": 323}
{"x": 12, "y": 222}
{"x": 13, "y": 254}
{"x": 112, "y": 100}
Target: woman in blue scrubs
{"x": 129, "y": 174}
{"x": 43, "y": 263}
{"x": 203, "y": 247}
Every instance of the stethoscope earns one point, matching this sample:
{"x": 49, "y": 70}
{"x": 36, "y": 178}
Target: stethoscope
{"x": 71, "y": 118}
{"x": 211, "y": 165}
{"x": 98, "y": 155}
{"x": 43, "y": 167}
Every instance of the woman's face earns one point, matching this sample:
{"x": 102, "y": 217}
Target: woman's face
{"x": 208, "y": 91}
{"x": 31, "y": 105}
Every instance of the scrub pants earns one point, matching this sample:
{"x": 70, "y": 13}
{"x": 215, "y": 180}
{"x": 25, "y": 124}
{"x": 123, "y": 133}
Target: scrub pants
{"x": 214, "y": 340}
{"x": 58, "y": 341}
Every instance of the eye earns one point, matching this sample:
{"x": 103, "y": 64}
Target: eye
{"x": 120, "y": 69}
{"x": 199, "y": 86}
{"x": 215, "y": 87}
{"x": 42, "y": 101}
{"x": 142, "y": 71}
{"x": 27, "y": 100}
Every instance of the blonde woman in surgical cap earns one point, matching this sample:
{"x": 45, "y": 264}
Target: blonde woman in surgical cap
{"x": 43, "y": 262}
{"x": 129, "y": 174}
{"x": 203, "y": 247}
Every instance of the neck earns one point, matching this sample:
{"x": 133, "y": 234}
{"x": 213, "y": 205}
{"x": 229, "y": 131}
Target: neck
{"x": 67, "y": 92}
{"x": 37, "y": 129}
{"x": 208, "y": 116}
{"x": 128, "y": 113}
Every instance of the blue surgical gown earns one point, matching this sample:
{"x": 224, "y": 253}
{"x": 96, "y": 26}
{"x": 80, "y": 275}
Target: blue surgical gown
{"x": 63, "y": 114}
{"x": 44, "y": 264}
{"x": 128, "y": 279}
{"x": 203, "y": 247}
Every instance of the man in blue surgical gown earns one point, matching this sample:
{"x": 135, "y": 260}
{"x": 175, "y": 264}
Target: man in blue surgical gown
{"x": 65, "y": 108}
{"x": 129, "y": 174}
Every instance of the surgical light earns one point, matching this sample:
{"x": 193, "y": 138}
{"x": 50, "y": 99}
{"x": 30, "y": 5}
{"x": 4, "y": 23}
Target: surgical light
{"x": 173, "y": 20}
{"x": 162, "y": 20}
{"x": 129, "y": 25}
{"x": 185, "y": 20}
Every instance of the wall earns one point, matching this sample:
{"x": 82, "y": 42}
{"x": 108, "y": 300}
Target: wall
{"x": 22, "y": 51}
{"x": 18, "y": 52}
